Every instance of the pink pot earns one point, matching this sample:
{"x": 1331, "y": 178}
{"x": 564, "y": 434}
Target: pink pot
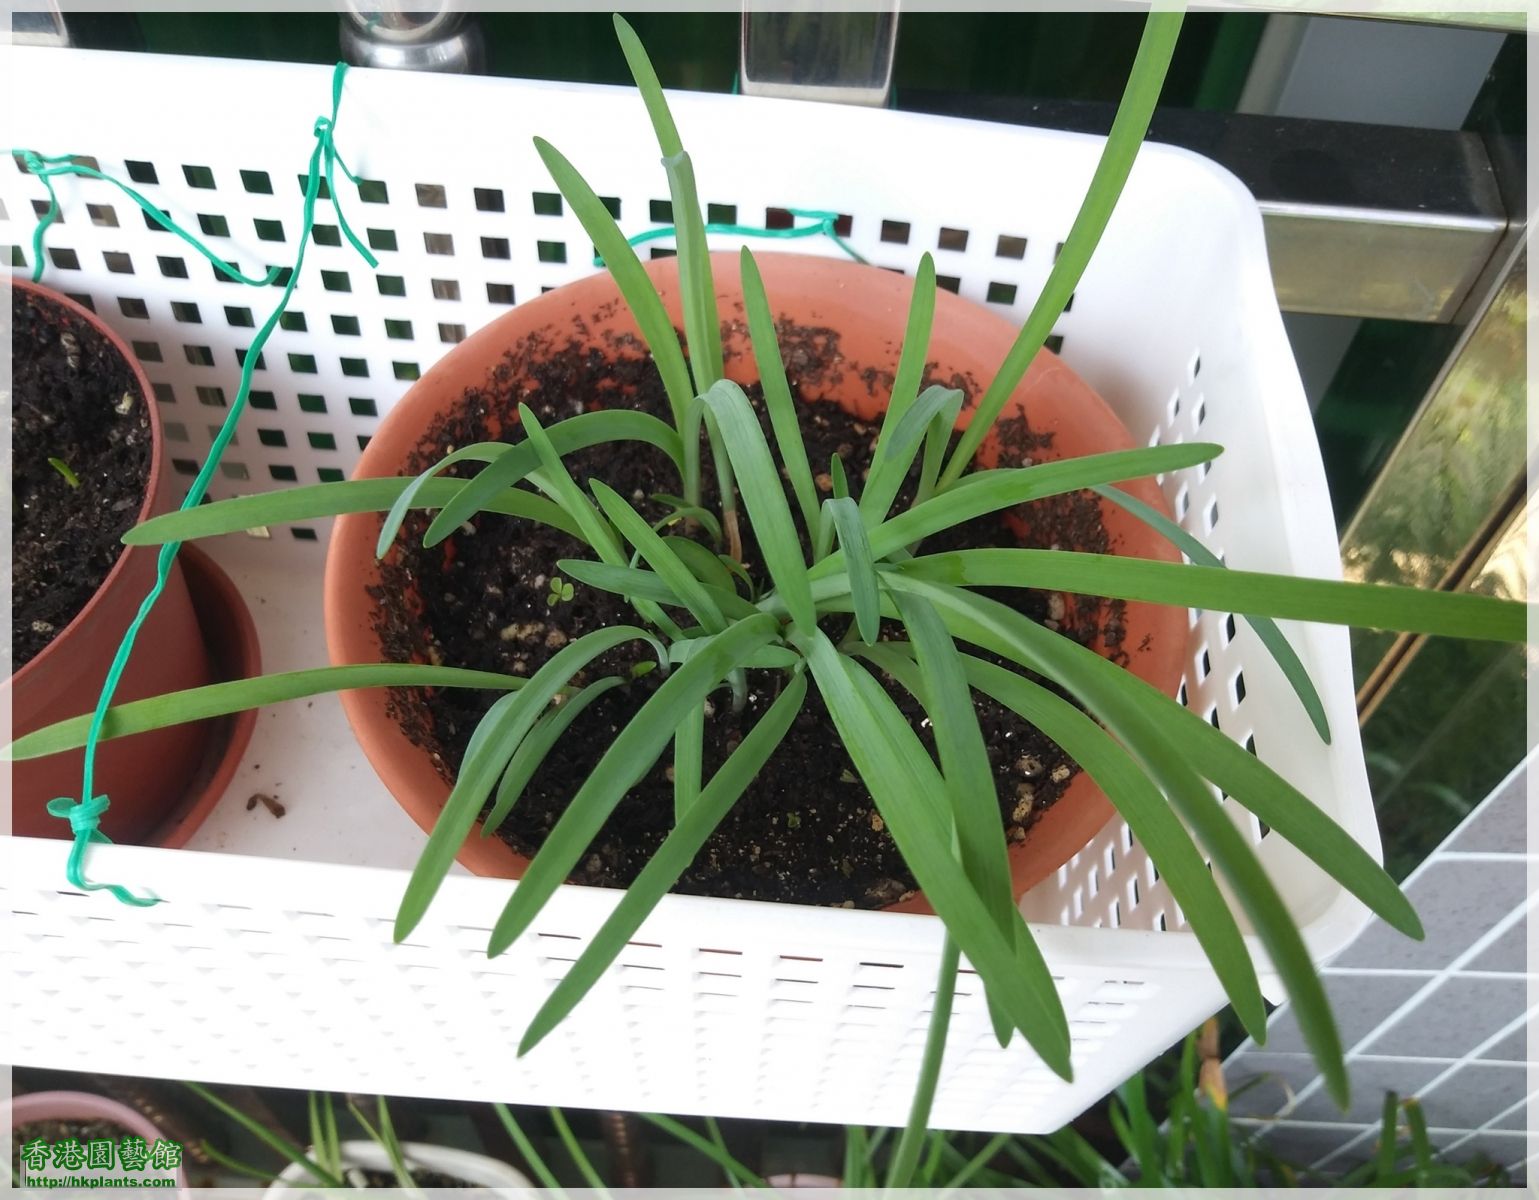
{"x": 84, "y": 1106}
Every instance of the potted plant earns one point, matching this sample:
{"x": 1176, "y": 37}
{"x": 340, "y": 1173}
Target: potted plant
{"x": 379, "y": 1160}
{"x": 402, "y": 606}
{"x": 70, "y": 1129}
{"x": 833, "y": 560}
{"x": 88, "y": 461}
{"x": 1170, "y": 1132}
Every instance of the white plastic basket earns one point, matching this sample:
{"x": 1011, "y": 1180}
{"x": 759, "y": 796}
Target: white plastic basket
{"x": 270, "y": 961}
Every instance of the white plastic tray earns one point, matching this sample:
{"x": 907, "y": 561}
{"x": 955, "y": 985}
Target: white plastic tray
{"x": 270, "y": 961}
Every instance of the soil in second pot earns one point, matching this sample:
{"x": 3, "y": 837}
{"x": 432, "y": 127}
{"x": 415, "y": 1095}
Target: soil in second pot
{"x": 422, "y": 1178}
{"x": 74, "y": 400}
{"x": 61, "y": 1129}
{"x": 806, "y": 829}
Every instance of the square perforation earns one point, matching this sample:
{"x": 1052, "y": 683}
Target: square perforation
{"x": 1010, "y": 246}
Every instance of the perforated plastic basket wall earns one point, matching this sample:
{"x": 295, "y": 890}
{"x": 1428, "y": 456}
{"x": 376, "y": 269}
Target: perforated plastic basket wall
{"x": 270, "y": 960}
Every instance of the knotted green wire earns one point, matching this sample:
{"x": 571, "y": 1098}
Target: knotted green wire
{"x": 85, "y": 816}
{"x": 822, "y": 223}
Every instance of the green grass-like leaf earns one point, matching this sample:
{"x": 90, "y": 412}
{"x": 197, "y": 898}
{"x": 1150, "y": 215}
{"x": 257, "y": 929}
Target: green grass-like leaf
{"x": 936, "y": 439}
{"x": 1291, "y": 814}
{"x": 844, "y": 516}
{"x": 317, "y": 501}
{"x": 942, "y": 688}
{"x": 936, "y": 406}
{"x": 1270, "y": 636}
{"x": 777, "y": 391}
{"x": 536, "y": 745}
{"x": 556, "y": 481}
{"x": 773, "y": 657}
{"x": 1237, "y": 772}
{"x": 323, "y": 1132}
{"x": 916, "y": 350}
{"x": 640, "y": 585}
{"x": 649, "y": 86}
{"x": 566, "y": 437}
{"x": 483, "y": 452}
{"x": 702, "y": 323}
{"x": 383, "y": 1135}
{"x": 890, "y": 463}
{"x": 1365, "y": 605}
{"x": 693, "y": 827}
{"x": 237, "y": 695}
{"x": 628, "y": 758}
{"x": 1111, "y": 697}
{"x": 527, "y": 1150}
{"x": 1240, "y": 774}
{"x": 688, "y": 761}
{"x": 990, "y": 491}
{"x": 574, "y": 1151}
{"x": 905, "y": 1157}
{"x": 1146, "y": 812}
{"x": 706, "y": 566}
{"x": 759, "y": 482}
{"x": 267, "y": 1137}
{"x": 903, "y": 781}
{"x": 491, "y": 746}
{"x": 684, "y": 511}
{"x": 635, "y": 286}
{"x": 660, "y": 557}
{"x": 734, "y": 1170}
{"x": 65, "y": 471}
{"x": 1122, "y": 144}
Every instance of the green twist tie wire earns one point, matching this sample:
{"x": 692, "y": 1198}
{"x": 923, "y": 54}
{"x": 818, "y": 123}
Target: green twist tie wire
{"x": 84, "y": 817}
{"x": 822, "y": 223}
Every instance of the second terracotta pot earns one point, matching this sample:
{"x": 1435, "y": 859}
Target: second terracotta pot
{"x": 153, "y": 780}
{"x": 868, "y": 308}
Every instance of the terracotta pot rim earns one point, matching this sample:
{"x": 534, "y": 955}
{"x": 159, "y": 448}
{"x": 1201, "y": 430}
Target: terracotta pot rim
{"x": 830, "y": 292}
{"x": 151, "y": 484}
{"x": 234, "y": 652}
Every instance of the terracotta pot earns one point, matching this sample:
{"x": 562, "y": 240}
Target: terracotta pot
{"x": 151, "y": 776}
{"x": 234, "y": 652}
{"x": 86, "y": 1106}
{"x": 868, "y": 307}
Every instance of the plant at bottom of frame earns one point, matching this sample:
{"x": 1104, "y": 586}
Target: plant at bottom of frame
{"x": 848, "y": 563}
{"x": 1165, "y": 1133}
{"x": 326, "y": 1167}
{"x": 323, "y": 1162}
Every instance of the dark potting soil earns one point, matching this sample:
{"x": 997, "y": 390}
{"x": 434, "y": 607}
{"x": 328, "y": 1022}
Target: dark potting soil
{"x": 423, "y": 1179}
{"x": 74, "y": 399}
{"x": 806, "y": 830}
{"x": 59, "y": 1129}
